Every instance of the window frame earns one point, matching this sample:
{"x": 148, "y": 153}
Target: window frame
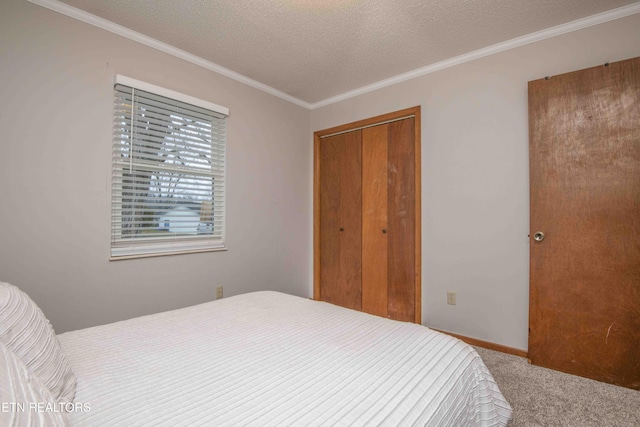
{"x": 172, "y": 243}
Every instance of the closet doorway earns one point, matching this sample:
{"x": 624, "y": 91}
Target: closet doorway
{"x": 367, "y": 215}
{"x": 584, "y": 305}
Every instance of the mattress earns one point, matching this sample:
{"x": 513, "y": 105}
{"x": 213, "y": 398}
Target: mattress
{"x": 272, "y": 359}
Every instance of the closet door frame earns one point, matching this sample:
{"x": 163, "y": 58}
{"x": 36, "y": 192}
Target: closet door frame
{"x": 360, "y": 124}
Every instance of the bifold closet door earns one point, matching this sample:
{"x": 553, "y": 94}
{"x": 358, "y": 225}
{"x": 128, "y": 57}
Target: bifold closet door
{"x": 367, "y": 215}
{"x": 375, "y": 242}
{"x": 388, "y": 220}
{"x": 341, "y": 219}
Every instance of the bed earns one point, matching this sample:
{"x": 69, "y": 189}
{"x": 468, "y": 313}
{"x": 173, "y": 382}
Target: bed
{"x": 272, "y": 359}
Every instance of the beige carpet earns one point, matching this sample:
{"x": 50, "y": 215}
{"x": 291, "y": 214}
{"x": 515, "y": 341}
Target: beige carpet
{"x": 542, "y": 397}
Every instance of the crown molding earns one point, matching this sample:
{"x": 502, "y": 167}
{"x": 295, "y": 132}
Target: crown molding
{"x": 96, "y": 21}
{"x": 576, "y": 25}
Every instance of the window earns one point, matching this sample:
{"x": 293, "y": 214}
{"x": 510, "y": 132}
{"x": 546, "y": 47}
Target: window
{"x": 168, "y": 176}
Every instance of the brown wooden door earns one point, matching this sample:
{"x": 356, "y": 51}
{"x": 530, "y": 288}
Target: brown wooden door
{"x": 402, "y": 220}
{"x": 341, "y": 219}
{"x": 388, "y": 198}
{"x": 388, "y": 220}
{"x": 585, "y": 197}
{"x": 375, "y": 221}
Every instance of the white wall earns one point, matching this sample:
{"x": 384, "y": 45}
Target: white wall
{"x": 475, "y": 182}
{"x": 56, "y": 91}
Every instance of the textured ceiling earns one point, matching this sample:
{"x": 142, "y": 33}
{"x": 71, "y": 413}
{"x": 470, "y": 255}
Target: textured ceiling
{"x": 317, "y": 49}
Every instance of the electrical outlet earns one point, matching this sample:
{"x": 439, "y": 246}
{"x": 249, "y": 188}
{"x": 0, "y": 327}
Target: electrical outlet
{"x": 219, "y": 292}
{"x": 451, "y": 298}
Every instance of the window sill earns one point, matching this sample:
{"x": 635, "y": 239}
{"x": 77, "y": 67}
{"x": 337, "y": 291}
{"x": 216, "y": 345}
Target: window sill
{"x": 157, "y": 254}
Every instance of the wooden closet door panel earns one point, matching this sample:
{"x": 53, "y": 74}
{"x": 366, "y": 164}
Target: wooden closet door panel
{"x": 333, "y": 265}
{"x": 374, "y": 219}
{"x": 584, "y": 136}
{"x": 341, "y": 219}
{"x": 402, "y": 220}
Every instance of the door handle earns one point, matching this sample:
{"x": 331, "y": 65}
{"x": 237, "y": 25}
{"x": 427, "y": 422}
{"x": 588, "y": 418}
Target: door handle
{"x": 539, "y": 236}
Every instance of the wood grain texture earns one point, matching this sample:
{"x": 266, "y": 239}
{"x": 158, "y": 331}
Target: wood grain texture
{"x": 316, "y": 218}
{"x": 413, "y": 253}
{"x": 585, "y": 196}
{"x": 401, "y": 213}
{"x": 486, "y": 344}
{"x": 417, "y": 178}
{"x": 329, "y": 275}
{"x": 341, "y": 220}
{"x": 374, "y": 219}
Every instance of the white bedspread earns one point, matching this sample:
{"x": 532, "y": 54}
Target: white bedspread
{"x": 271, "y": 359}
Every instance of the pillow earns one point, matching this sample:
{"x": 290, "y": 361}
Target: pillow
{"x": 26, "y": 401}
{"x": 26, "y": 331}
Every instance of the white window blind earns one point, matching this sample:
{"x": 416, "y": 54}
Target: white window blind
{"x": 168, "y": 178}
